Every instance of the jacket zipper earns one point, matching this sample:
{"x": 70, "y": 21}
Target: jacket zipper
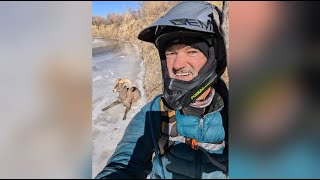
{"x": 201, "y": 123}
{"x": 200, "y": 134}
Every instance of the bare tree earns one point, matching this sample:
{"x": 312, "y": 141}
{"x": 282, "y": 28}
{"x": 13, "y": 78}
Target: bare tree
{"x": 98, "y": 21}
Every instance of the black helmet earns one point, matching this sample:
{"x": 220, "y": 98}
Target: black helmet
{"x": 184, "y": 21}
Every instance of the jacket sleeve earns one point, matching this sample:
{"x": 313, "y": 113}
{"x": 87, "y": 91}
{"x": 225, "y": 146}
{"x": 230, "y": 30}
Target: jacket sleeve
{"x": 132, "y": 157}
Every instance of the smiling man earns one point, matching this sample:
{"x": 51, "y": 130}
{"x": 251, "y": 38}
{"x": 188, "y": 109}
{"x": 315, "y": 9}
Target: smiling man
{"x": 185, "y": 127}
{"x": 184, "y": 62}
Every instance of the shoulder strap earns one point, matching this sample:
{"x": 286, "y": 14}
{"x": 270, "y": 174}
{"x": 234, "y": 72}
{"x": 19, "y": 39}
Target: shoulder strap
{"x": 168, "y": 125}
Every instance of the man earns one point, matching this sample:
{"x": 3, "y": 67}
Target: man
{"x": 180, "y": 134}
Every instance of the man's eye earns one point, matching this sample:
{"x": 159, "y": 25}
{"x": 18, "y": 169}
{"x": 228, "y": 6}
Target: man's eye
{"x": 170, "y": 53}
{"x": 192, "y": 53}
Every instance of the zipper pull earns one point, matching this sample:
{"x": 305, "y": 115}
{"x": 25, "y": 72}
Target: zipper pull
{"x": 201, "y": 122}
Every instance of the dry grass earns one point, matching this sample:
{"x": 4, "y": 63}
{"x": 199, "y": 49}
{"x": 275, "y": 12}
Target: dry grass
{"x": 131, "y": 24}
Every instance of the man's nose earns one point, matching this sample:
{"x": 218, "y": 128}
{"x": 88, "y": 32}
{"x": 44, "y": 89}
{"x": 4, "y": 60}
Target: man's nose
{"x": 180, "y": 61}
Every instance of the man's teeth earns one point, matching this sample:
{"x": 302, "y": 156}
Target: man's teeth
{"x": 183, "y": 74}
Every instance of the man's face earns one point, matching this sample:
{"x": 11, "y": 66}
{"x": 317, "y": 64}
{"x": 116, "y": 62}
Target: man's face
{"x": 184, "y": 62}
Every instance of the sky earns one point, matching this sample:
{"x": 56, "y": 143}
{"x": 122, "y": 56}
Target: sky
{"x": 102, "y": 8}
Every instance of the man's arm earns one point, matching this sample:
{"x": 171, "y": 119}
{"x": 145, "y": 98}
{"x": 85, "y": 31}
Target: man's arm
{"x": 133, "y": 154}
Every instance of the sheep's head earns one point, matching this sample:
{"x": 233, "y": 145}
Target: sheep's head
{"x": 120, "y": 83}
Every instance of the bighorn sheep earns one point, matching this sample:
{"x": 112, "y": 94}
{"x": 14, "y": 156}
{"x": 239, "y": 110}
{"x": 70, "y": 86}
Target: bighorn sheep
{"x": 127, "y": 94}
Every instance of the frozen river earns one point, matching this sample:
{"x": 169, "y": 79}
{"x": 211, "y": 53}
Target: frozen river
{"x": 111, "y": 59}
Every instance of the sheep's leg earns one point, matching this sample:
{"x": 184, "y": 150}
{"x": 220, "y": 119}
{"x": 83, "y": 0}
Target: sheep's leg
{"x": 111, "y": 105}
{"x": 125, "y": 113}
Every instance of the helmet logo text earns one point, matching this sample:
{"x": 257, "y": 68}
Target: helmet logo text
{"x": 193, "y": 22}
{"x": 200, "y": 91}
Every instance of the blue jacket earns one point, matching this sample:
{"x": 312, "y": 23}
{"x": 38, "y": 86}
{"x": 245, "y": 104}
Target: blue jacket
{"x": 133, "y": 157}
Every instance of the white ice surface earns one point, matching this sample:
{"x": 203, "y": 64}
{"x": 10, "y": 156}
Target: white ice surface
{"x": 108, "y": 126}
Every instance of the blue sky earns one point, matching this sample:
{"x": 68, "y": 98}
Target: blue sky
{"x": 102, "y": 8}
